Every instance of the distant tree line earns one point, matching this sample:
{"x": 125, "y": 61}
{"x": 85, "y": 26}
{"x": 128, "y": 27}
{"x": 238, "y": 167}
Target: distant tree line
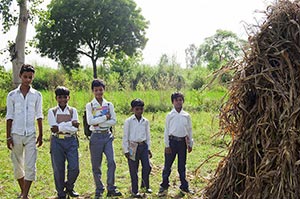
{"x": 125, "y": 73}
{"x": 112, "y": 34}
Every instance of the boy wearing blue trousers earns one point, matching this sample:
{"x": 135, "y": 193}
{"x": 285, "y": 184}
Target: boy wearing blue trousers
{"x": 64, "y": 124}
{"x": 101, "y": 116}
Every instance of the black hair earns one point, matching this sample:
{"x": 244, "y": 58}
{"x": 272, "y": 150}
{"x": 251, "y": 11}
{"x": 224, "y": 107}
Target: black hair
{"x": 176, "y": 95}
{"x": 97, "y": 82}
{"x": 26, "y": 68}
{"x": 61, "y": 90}
{"x": 137, "y": 102}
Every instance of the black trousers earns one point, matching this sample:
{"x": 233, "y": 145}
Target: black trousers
{"x": 142, "y": 155}
{"x": 178, "y": 148}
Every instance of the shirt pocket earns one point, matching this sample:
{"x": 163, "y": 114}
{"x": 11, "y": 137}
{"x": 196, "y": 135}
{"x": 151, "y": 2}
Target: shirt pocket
{"x": 184, "y": 122}
{"x": 31, "y": 108}
{"x": 18, "y": 108}
{"x": 142, "y": 128}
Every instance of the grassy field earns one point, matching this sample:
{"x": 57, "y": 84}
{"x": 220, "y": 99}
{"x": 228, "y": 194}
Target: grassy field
{"x": 205, "y": 126}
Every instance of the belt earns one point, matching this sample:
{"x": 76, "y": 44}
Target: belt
{"x": 61, "y": 135}
{"x": 172, "y": 137}
{"x": 141, "y": 143}
{"x": 101, "y": 131}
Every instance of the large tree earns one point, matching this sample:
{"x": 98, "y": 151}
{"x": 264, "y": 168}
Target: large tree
{"x": 92, "y": 28}
{"x": 220, "y": 48}
{"x": 10, "y": 17}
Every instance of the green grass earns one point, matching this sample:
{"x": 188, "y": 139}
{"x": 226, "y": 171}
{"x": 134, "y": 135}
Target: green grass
{"x": 205, "y": 126}
{"x": 155, "y": 101}
{"x": 204, "y": 147}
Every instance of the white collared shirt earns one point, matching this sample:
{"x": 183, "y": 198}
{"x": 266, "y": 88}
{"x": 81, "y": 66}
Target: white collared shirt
{"x": 135, "y": 131}
{"x": 65, "y": 127}
{"x": 179, "y": 125}
{"x": 95, "y": 114}
{"x": 24, "y": 111}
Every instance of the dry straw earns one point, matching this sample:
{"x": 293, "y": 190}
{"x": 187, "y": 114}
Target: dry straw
{"x": 263, "y": 114}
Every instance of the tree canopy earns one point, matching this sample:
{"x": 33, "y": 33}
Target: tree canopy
{"x": 220, "y": 48}
{"x": 91, "y": 28}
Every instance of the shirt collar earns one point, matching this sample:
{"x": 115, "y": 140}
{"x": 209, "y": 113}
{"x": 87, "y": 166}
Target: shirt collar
{"x": 134, "y": 118}
{"x": 174, "y": 111}
{"x": 31, "y": 90}
{"x": 67, "y": 108}
{"x": 95, "y": 102}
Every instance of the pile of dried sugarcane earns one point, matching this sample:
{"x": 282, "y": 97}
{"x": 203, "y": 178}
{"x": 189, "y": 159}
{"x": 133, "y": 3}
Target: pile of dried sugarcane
{"x": 263, "y": 114}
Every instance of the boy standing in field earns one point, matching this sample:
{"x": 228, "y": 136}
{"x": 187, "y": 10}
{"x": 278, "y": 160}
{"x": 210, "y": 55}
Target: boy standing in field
{"x": 178, "y": 140}
{"x": 24, "y": 105}
{"x": 64, "y": 124}
{"x": 136, "y": 147}
{"x": 101, "y": 116}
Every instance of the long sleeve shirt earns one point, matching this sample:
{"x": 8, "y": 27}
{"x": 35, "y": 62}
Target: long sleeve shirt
{"x": 64, "y": 126}
{"x": 179, "y": 125}
{"x": 96, "y": 115}
{"x": 23, "y": 111}
{"x": 135, "y": 131}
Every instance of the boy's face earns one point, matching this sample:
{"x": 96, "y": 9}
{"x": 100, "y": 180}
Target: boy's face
{"x": 98, "y": 92}
{"x": 178, "y": 102}
{"x": 138, "y": 111}
{"x": 62, "y": 100}
{"x": 27, "y": 78}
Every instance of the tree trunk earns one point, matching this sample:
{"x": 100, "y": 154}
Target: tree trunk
{"x": 18, "y": 51}
{"x": 94, "y": 68}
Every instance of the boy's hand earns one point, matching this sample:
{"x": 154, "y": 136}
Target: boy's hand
{"x": 168, "y": 150}
{"x": 54, "y": 129}
{"x": 10, "y": 144}
{"x": 190, "y": 149}
{"x": 75, "y": 123}
{"x": 39, "y": 140}
{"x": 150, "y": 154}
{"x": 127, "y": 155}
{"x": 108, "y": 116}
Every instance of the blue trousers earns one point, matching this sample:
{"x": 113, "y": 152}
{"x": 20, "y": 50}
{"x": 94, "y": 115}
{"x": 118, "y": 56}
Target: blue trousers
{"x": 62, "y": 150}
{"x": 142, "y": 155}
{"x": 102, "y": 143}
{"x": 178, "y": 148}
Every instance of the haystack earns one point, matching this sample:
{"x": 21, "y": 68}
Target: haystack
{"x": 263, "y": 114}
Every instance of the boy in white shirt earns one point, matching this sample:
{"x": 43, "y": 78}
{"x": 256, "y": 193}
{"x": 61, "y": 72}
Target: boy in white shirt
{"x": 101, "y": 116}
{"x": 24, "y": 106}
{"x": 136, "y": 147}
{"x": 64, "y": 124}
{"x": 178, "y": 140}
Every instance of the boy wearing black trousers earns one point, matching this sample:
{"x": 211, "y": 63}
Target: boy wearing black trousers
{"x": 178, "y": 141}
{"x": 136, "y": 147}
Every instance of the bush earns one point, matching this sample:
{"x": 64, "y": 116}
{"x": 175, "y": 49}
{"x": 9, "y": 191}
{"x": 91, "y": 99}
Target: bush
{"x": 198, "y": 83}
{"x": 48, "y": 78}
{"x": 81, "y": 79}
{"x": 5, "y": 80}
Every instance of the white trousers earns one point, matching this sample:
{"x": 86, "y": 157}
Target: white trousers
{"x": 23, "y": 156}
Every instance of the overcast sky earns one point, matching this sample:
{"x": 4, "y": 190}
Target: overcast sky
{"x": 174, "y": 25}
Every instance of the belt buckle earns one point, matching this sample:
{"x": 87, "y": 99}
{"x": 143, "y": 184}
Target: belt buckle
{"x": 61, "y": 136}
